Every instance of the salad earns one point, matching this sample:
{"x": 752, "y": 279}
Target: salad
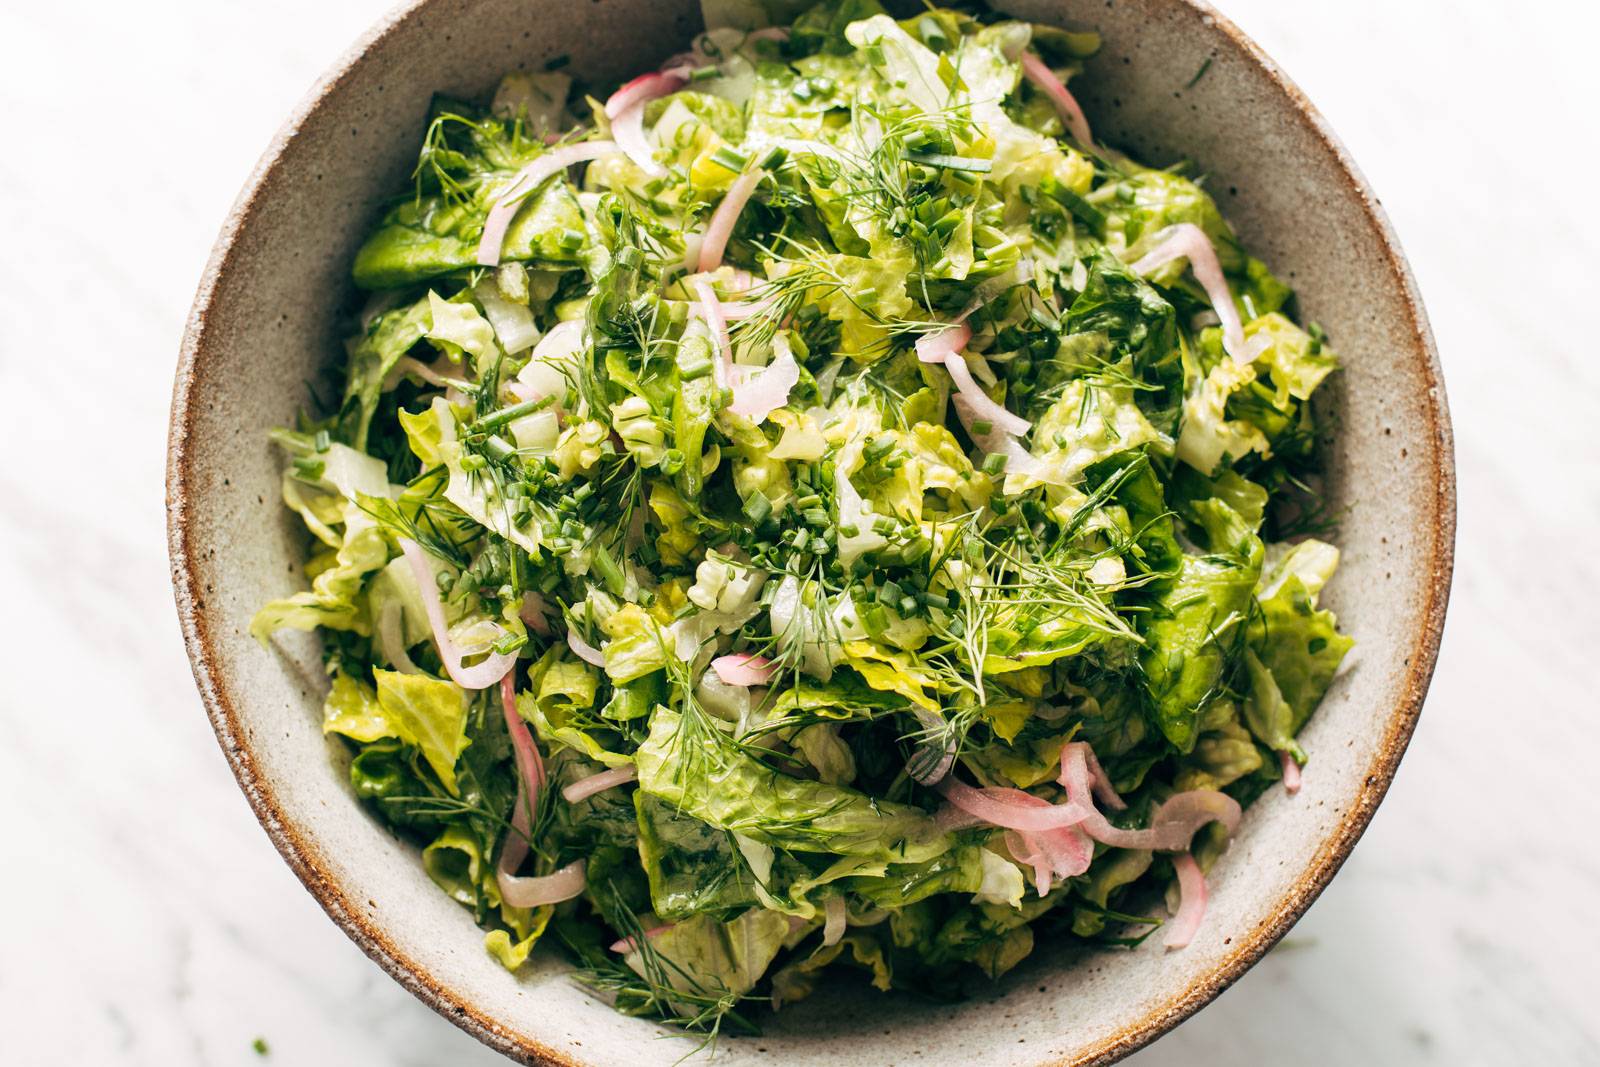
{"x": 816, "y": 507}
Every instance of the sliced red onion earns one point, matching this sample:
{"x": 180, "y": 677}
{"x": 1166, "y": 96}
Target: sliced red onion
{"x": 936, "y": 346}
{"x": 1191, "y": 902}
{"x": 1012, "y": 808}
{"x": 761, "y": 392}
{"x": 598, "y": 783}
{"x": 1188, "y": 241}
{"x": 931, "y": 762}
{"x": 391, "y": 638}
{"x": 1018, "y": 459}
{"x": 1100, "y": 781}
{"x": 479, "y": 676}
{"x": 535, "y": 613}
{"x": 1061, "y": 853}
{"x": 530, "y": 892}
{"x": 585, "y": 651}
{"x": 625, "y": 109}
{"x": 539, "y": 890}
{"x": 944, "y": 346}
{"x": 744, "y": 670}
{"x": 951, "y": 819}
{"x": 626, "y": 944}
{"x": 1069, "y": 851}
{"x": 1026, "y": 851}
{"x": 526, "y": 181}
{"x": 530, "y": 780}
{"x": 720, "y": 228}
{"x": 833, "y": 923}
{"x": 1291, "y": 773}
{"x": 1171, "y": 827}
{"x": 1034, "y": 69}
{"x": 711, "y": 312}
{"x": 530, "y": 765}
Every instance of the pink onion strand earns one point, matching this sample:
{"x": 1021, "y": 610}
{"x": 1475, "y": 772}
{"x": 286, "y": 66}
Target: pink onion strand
{"x": 711, "y": 312}
{"x": 720, "y": 228}
{"x": 535, "y": 891}
{"x": 526, "y": 181}
{"x": 479, "y": 676}
{"x": 626, "y": 944}
{"x": 625, "y": 109}
{"x": 1191, "y": 902}
{"x": 1171, "y": 827}
{"x": 1034, "y": 69}
{"x": 1012, "y": 808}
{"x": 744, "y": 670}
{"x": 598, "y": 783}
{"x": 585, "y": 651}
{"x": 1291, "y": 773}
{"x": 1188, "y": 241}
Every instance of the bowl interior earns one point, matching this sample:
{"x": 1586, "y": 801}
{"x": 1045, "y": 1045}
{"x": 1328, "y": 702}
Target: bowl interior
{"x": 266, "y": 322}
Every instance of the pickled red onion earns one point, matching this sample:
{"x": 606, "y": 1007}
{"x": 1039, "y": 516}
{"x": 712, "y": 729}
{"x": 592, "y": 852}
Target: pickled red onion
{"x": 526, "y": 181}
{"x": 1191, "y": 901}
{"x": 744, "y": 670}
{"x": 479, "y": 676}
{"x": 1034, "y": 69}
{"x": 598, "y": 783}
{"x": 720, "y": 228}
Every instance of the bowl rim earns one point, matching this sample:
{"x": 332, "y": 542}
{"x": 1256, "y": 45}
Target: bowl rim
{"x": 219, "y": 701}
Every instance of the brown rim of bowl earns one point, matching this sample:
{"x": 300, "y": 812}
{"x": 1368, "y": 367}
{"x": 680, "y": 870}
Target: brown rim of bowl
{"x": 219, "y": 702}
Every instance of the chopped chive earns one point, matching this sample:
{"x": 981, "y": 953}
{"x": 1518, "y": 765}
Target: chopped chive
{"x": 982, "y": 426}
{"x": 499, "y": 448}
{"x": 509, "y": 643}
{"x": 758, "y": 508}
{"x": 1084, "y": 211}
{"x": 609, "y": 572}
{"x": 728, "y": 159}
{"x": 496, "y": 419}
{"x": 308, "y": 469}
{"x": 693, "y": 370}
{"x": 994, "y": 463}
{"x": 948, "y": 162}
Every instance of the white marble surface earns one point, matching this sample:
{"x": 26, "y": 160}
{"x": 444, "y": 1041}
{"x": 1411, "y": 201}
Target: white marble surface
{"x": 147, "y": 920}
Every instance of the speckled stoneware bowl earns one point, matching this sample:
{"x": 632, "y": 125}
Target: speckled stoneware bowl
{"x": 264, "y": 323}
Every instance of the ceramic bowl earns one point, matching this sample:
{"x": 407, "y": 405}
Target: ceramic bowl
{"x": 264, "y": 323}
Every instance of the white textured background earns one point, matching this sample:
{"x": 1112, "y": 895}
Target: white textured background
{"x": 144, "y": 917}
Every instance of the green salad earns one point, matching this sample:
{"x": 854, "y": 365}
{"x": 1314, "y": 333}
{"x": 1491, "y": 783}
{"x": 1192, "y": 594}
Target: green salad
{"x": 815, "y": 508}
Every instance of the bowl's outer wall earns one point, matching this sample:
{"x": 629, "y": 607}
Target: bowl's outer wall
{"x": 266, "y": 321}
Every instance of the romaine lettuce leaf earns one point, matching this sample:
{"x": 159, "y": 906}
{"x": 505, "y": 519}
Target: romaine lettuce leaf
{"x": 716, "y": 783}
{"x": 1197, "y": 623}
